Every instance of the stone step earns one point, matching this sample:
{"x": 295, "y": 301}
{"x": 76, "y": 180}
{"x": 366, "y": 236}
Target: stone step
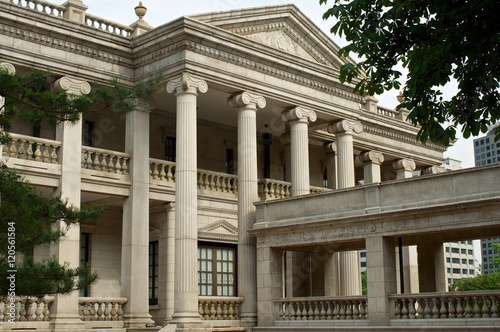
{"x": 144, "y": 329}
{"x": 228, "y": 329}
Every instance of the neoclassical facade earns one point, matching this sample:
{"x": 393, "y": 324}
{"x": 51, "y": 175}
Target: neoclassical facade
{"x": 238, "y": 198}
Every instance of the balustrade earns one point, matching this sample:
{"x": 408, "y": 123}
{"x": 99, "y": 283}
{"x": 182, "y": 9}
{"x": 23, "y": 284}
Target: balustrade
{"x": 322, "y": 308}
{"x": 161, "y": 170}
{"x": 387, "y": 112}
{"x": 101, "y": 309}
{"x": 269, "y": 189}
{"x": 215, "y": 181}
{"x": 26, "y": 309}
{"x": 108, "y": 26}
{"x": 32, "y": 148}
{"x": 105, "y": 160}
{"x": 481, "y": 304}
{"x": 41, "y": 6}
{"x": 219, "y": 308}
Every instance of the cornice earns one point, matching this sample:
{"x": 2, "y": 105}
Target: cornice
{"x": 63, "y": 44}
{"x": 400, "y": 137}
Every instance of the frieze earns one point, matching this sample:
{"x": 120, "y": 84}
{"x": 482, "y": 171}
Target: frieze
{"x": 63, "y": 44}
{"x": 402, "y": 138}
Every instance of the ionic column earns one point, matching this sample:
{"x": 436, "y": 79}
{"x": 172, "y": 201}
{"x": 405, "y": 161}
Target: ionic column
{"x": 285, "y": 141}
{"x": 331, "y": 164}
{"x": 65, "y": 308}
{"x": 404, "y": 168}
{"x": 298, "y": 118}
{"x": 247, "y": 105}
{"x": 11, "y": 70}
{"x": 332, "y": 263}
{"x": 135, "y": 232}
{"x": 371, "y": 166}
{"x": 186, "y": 87}
{"x": 350, "y": 275}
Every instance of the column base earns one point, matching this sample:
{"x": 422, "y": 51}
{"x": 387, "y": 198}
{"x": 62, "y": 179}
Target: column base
{"x": 186, "y": 318}
{"x": 67, "y": 322}
{"x": 184, "y": 328}
{"x": 248, "y": 319}
{"x": 138, "y": 320}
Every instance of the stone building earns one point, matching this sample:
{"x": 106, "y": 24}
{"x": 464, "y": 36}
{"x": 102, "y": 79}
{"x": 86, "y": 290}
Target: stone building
{"x": 217, "y": 218}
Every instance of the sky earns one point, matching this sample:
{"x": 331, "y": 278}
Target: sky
{"x": 161, "y": 12}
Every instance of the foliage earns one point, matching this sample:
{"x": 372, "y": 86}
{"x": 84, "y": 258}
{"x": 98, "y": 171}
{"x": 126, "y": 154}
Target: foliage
{"x": 496, "y": 260}
{"x": 434, "y": 40}
{"x": 364, "y": 283}
{"x": 480, "y": 282}
{"x": 27, "y": 218}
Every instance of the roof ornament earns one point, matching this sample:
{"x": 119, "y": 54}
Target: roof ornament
{"x": 140, "y": 11}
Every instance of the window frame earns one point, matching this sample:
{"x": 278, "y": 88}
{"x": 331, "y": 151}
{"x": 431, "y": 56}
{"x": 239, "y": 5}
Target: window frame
{"x": 214, "y": 271}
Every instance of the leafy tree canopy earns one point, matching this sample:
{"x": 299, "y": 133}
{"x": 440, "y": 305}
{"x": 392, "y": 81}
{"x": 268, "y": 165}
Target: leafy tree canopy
{"x": 27, "y": 218}
{"x": 434, "y": 40}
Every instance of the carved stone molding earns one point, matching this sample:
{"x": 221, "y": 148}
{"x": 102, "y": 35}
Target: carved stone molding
{"x": 72, "y": 85}
{"x": 246, "y": 99}
{"x": 345, "y": 127}
{"x": 144, "y": 106}
{"x": 9, "y": 67}
{"x": 404, "y": 164}
{"x": 330, "y": 147}
{"x": 374, "y": 157}
{"x": 187, "y": 83}
{"x": 298, "y": 114}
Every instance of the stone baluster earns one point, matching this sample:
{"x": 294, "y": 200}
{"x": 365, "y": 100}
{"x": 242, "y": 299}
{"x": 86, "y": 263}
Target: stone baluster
{"x": 468, "y": 308}
{"x": 460, "y": 308}
{"x": 348, "y": 311}
{"x": 397, "y": 308}
{"x": 22, "y": 312}
{"x": 114, "y": 313}
{"x": 477, "y": 309}
{"x": 97, "y": 163}
{"x": 411, "y": 309}
{"x": 38, "y": 311}
{"x": 45, "y": 154}
{"x": 486, "y": 309}
{"x": 336, "y": 311}
{"x": 291, "y": 309}
{"x": 118, "y": 166}
{"x": 443, "y": 311}
{"x": 46, "y": 309}
{"x": 111, "y": 165}
{"x": 494, "y": 308}
{"x": 21, "y": 151}
{"x": 13, "y": 148}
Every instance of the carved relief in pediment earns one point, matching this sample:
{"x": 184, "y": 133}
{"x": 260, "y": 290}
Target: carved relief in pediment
{"x": 280, "y": 40}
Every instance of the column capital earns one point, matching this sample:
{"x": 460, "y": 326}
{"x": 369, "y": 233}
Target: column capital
{"x": 404, "y": 164}
{"x": 246, "y": 99}
{"x": 432, "y": 170}
{"x": 330, "y": 147}
{"x": 11, "y": 70}
{"x": 72, "y": 85}
{"x": 144, "y": 106}
{"x": 373, "y": 157}
{"x": 345, "y": 127}
{"x": 187, "y": 83}
{"x": 298, "y": 114}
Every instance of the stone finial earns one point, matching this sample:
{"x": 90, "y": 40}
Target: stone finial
{"x": 400, "y": 97}
{"x": 404, "y": 164}
{"x": 246, "y": 99}
{"x": 345, "y": 127}
{"x": 330, "y": 147}
{"x": 298, "y": 114}
{"x": 140, "y": 11}
{"x": 187, "y": 82}
{"x": 374, "y": 157}
{"x": 72, "y": 85}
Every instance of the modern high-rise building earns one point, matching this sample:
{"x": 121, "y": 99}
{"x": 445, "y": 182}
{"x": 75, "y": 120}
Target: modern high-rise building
{"x": 488, "y": 253}
{"x": 460, "y": 261}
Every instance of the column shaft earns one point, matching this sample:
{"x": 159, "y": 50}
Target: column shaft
{"x": 299, "y": 141}
{"x": 135, "y": 232}
{"x": 345, "y": 161}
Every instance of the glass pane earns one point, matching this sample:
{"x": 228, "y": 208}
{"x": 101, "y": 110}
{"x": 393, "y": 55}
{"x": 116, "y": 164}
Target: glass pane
{"x": 224, "y": 291}
{"x": 230, "y": 267}
{"x": 150, "y": 293}
{"x": 224, "y": 267}
{"x": 203, "y": 265}
{"x": 209, "y": 278}
{"x": 210, "y": 290}
{"x": 224, "y": 278}
{"x": 219, "y": 290}
{"x": 203, "y": 253}
{"x": 219, "y": 278}
{"x": 219, "y": 254}
{"x": 230, "y": 255}
{"x": 230, "y": 278}
{"x": 219, "y": 266}
{"x": 224, "y": 255}
{"x": 203, "y": 278}
{"x": 209, "y": 254}
{"x": 204, "y": 290}
{"x": 230, "y": 291}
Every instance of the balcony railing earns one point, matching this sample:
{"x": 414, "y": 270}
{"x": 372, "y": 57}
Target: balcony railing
{"x": 101, "y": 308}
{"x": 271, "y": 189}
{"x": 219, "y": 308}
{"x": 32, "y": 148}
{"x": 105, "y": 160}
{"x": 452, "y": 305}
{"x": 41, "y": 6}
{"x": 322, "y": 308}
{"x": 26, "y": 309}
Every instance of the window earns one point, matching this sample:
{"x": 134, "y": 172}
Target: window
{"x": 471, "y": 262}
{"x": 84, "y": 257}
{"x": 477, "y": 143}
{"x": 464, "y": 261}
{"x": 489, "y": 245}
{"x": 471, "y": 272}
{"x": 487, "y": 140}
{"x": 267, "y": 139}
{"x": 325, "y": 178}
{"x": 455, "y": 250}
{"x": 485, "y": 259}
{"x": 483, "y": 163}
{"x": 153, "y": 273}
{"x": 463, "y": 242}
{"x": 463, "y": 251}
{"x": 36, "y": 130}
{"x": 170, "y": 148}
{"x": 447, "y": 259}
{"x": 484, "y": 245}
{"x": 447, "y": 249}
{"x": 216, "y": 271}
{"x": 449, "y": 280}
{"x": 363, "y": 254}
{"x": 230, "y": 162}
{"x": 456, "y": 271}
{"x": 490, "y": 252}
{"x": 88, "y": 132}
{"x": 464, "y": 271}
{"x": 448, "y": 270}
{"x": 363, "y": 264}
{"x": 456, "y": 260}
{"x": 471, "y": 252}
{"x": 484, "y": 252}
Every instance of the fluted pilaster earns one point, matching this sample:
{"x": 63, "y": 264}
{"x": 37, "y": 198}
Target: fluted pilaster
{"x": 186, "y": 87}
{"x": 404, "y": 168}
{"x": 247, "y": 105}
{"x": 371, "y": 166}
{"x": 298, "y": 118}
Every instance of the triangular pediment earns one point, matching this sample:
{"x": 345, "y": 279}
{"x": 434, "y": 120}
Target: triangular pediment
{"x": 283, "y": 28}
{"x": 220, "y": 230}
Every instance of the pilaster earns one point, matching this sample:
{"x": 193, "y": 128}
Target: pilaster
{"x": 169, "y": 262}
{"x": 371, "y": 166}
{"x": 247, "y": 105}
{"x": 298, "y": 118}
{"x": 67, "y": 251}
{"x": 186, "y": 87}
{"x": 330, "y": 150}
{"x": 135, "y": 232}
{"x": 404, "y": 168}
